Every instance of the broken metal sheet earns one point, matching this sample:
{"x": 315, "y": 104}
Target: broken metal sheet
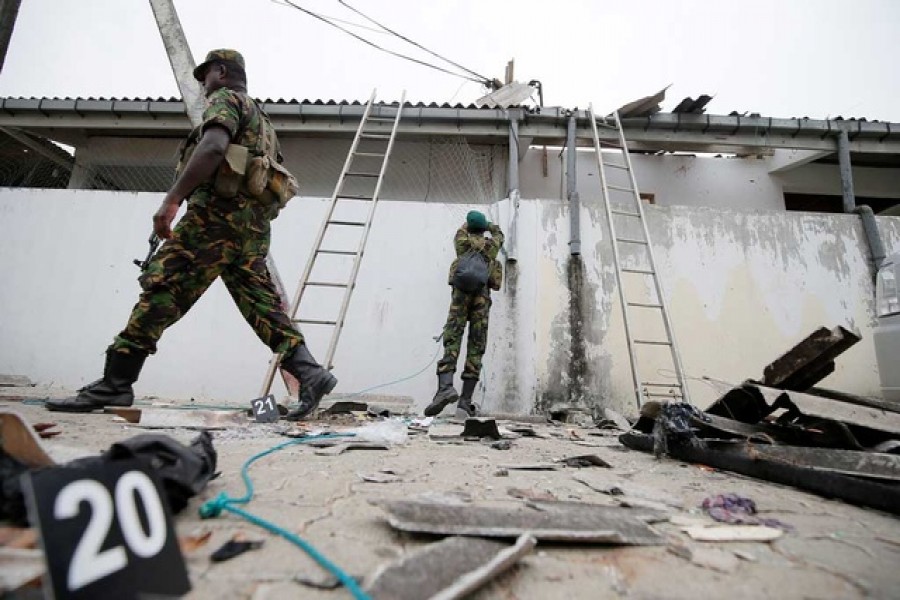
{"x": 734, "y": 533}
{"x": 644, "y": 107}
{"x": 872, "y": 465}
{"x": 752, "y": 403}
{"x": 854, "y": 399}
{"x": 691, "y": 106}
{"x": 19, "y": 567}
{"x": 20, "y": 441}
{"x": 736, "y": 457}
{"x": 830, "y": 434}
{"x": 563, "y": 521}
{"x": 511, "y": 94}
{"x": 815, "y": 406}
{"x": 810, "y": 361}
{"x": 447, "y": 570}
{"x": 163, "y": 418}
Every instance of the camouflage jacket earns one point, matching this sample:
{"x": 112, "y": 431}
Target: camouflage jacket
{"x": 465, "y": 242}
{"x": 241, "y": 117}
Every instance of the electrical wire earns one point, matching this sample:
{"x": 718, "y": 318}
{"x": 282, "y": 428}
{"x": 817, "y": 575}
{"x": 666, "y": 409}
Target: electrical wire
{"x": 373, "y": 44}
{"x": 484, "y": 79}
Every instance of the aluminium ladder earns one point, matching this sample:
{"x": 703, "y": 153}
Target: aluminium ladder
{"x": 629, "y": 211}
{"x": 361, "y": 166}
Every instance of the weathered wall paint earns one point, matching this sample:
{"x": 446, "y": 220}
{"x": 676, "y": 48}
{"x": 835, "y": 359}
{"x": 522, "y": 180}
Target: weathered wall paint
{"x": 743, "y": 287}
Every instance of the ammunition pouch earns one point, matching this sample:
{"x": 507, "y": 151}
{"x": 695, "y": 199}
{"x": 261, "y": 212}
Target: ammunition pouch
{"x": 231, "y": 172}
{"x": 263, "y": 174}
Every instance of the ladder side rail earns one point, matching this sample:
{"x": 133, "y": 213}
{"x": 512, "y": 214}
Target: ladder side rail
{"x": 357, "y": 261}
{"x": 311, "y": 259}
{"x": 615, "y": 248}
{"x": 676, "y": 356}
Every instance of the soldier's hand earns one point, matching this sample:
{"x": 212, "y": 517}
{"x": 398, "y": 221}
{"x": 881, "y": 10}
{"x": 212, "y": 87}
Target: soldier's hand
{"x": 162, "y": 220}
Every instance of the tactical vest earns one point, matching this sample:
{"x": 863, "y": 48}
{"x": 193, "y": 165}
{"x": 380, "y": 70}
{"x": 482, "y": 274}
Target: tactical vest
{"x": 254, "y": 172}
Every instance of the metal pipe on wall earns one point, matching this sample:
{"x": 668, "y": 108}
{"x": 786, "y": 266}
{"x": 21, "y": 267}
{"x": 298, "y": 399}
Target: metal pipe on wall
{"x": 572, "y": 190}
{"x": 843, "y": 144}
{"x": 513, "y": 187}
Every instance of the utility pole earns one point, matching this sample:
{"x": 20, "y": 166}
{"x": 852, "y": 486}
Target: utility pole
{"x": 180, "y": 58}
{"x": 9, "y": 10}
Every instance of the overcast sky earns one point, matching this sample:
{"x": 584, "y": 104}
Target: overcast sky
{"x": 787, "y": 58}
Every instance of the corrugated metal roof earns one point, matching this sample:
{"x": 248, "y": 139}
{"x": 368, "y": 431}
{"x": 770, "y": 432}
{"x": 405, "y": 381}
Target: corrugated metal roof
{"x": 292, "y": 101}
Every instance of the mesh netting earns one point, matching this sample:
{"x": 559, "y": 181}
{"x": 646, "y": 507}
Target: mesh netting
{"x": 29, "y": 161}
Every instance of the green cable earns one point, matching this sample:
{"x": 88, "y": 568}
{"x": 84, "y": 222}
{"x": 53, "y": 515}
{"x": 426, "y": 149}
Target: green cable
{"x": 213, "y": 508}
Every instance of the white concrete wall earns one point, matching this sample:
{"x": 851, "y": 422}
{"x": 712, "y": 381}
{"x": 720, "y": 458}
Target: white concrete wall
{"x": 744, "y": 286}
{"x": 702, "y": 180}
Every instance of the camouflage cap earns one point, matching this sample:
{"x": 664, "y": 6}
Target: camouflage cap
{"x": 216, "y": 55}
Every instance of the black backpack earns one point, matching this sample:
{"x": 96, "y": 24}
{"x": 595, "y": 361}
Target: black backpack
{"x": 471, "y": 273}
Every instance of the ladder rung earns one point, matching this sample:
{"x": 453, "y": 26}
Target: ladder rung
{"x": 641, "y": 271}
{"x": 652, "y": 342}
{"x": 382, "y": 119}
{"x": 341, "y": 252}
{"x": 615, "y": 166}
{"x": 358, "y": 174}
{"x": 314, "y": 322}
{"x": 654, "y": 384}
{"x": 375, "y": 136}
{"x": 624, "y": 213}
{"x": 369, "y": 154}
{"x": 326, "y": 284}
{"x": 348, "y": 223}
{"x": 644, "y": 304}
{"x": 631, "y": 241}
{"x": 619, "y": 188}
{"x": 662, "y": 395}
{"x": 353, "y": 197}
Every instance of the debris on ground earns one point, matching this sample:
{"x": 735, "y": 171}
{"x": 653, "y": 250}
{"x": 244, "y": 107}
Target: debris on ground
{"x": 169, "y": 418}
{"x": 323, "y": 581}
{"x": 825, "y": 444}
{"x": 502, "y": 445}
{"x": 737, "y": 510}
{"x": 557, "y": 521}
{"x": 341, "y": 445}
{"x": 236, "y": 546}
{"x": 734, "y": 533}
{"x": 480, "y": 428}
{"x": 585, "y": 460}
{"x": 449, "y": 569}
{"x": 193, "y": 542}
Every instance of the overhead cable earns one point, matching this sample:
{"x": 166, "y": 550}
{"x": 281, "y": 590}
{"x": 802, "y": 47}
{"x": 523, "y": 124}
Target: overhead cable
{"x": 485, "y": 80}
{"x": 374, "y": 45}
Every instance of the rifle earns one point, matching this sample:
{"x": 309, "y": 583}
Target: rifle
{"x": 154, "y": 244}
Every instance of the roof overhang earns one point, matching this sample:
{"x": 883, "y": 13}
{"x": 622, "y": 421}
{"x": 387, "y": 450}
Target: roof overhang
{"x": 68, "y": 120}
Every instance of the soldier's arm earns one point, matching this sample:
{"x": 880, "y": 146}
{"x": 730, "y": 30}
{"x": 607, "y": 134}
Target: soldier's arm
{"x": 498, "y": 238}
{"x": 221, "y": 121}
{"x": 461, "y": 240}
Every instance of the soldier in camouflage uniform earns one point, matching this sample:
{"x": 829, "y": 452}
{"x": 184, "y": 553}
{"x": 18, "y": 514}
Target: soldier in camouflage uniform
{"x": 224, "y": 233}
{"x": 467, "y": 307}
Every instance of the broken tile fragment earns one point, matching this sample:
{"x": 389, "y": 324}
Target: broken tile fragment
{"x": 450, "y": 569}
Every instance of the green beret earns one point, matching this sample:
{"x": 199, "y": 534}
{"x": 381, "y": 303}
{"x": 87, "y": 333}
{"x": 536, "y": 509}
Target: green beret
{"x": 476, "y": 221}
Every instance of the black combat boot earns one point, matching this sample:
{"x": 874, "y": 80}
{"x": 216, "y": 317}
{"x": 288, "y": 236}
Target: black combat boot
{"x": 465, "y": 408}
{"x": 114, "y": 389}
{"x": 315, "y": 381}
{"x": 445, "y": 395}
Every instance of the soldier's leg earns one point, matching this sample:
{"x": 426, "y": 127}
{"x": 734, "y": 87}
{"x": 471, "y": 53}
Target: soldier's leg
{"x": 251, "y": 287}
{"x": 446, "y": 367}
{"x": 253, "y": 291}
{"x": 453, "y": 331}
{"x": 478, "y": 332}
{"x": 176, "y": 277}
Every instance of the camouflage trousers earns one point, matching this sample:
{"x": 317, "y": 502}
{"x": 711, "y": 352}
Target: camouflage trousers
{"x": 210, "y": 242}
{"x": 473, "y": 309}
